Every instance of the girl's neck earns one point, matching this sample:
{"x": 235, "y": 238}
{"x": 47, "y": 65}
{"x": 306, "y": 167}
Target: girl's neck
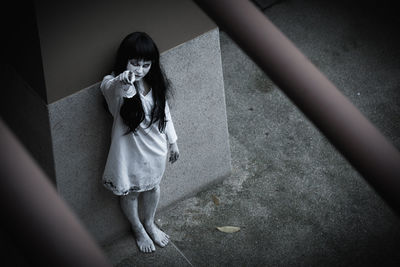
{"x": 144, "y": 87}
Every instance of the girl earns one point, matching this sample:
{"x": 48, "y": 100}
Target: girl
{"x": 136, "y": 95}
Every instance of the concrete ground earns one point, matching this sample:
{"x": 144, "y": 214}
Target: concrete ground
{"x": 296, "y": 200}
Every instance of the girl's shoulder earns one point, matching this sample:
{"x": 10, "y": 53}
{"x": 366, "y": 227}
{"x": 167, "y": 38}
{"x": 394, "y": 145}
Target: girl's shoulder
{"x": 105, "y": 83}
{"x": 109, "y": 76}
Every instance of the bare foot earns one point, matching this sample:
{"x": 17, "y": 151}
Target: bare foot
{"x": 143, "y": 240}
{"x": 158, "y": 236}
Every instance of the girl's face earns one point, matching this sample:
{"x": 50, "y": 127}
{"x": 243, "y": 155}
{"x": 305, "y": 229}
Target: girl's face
{"x": 139, "y": 67}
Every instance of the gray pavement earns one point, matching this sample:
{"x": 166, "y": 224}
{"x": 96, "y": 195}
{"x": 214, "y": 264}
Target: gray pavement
{"x": 296, "y": 200}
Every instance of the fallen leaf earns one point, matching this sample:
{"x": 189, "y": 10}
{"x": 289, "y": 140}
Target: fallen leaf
{"x": 216, "y": 200}
{"x": 228, "y": 229}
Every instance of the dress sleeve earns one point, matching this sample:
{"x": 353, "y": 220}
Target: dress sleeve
{"x": 169, "y": 128}
{"x": 114, "y": 91}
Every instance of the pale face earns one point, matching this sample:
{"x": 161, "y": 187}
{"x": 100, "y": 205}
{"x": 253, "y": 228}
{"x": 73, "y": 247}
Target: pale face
{"x": 139, "y": 67}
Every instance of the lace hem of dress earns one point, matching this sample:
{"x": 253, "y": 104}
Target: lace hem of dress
{"x": 110, "y": 185}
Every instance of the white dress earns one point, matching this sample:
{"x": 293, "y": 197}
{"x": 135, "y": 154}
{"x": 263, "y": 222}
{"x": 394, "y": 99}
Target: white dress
{"x": 136, "y": 161}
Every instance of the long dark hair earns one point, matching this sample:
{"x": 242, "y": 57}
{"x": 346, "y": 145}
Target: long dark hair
{"x": 139, "y": 45}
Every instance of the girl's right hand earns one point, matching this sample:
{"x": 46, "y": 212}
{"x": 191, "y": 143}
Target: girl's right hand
{"x": 127, "y": 77}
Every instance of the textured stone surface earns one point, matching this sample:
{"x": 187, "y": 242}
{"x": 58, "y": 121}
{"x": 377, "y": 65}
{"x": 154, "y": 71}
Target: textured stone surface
{"x": 199, "y": 115}
{"x": 81, "y": 128}
{"x": 124, "y": 254}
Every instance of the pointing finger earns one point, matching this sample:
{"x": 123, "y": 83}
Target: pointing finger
{"x": 130, "y": 77}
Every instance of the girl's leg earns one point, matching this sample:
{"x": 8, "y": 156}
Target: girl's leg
{"x": 150, "y": 202}
{"x": 129, "y": 205}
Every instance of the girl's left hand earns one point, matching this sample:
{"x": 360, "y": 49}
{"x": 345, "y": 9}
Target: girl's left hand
{"x": 174, "y": 152}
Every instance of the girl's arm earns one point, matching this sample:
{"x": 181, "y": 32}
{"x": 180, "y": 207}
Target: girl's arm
{"x": 169, "y": 127}
{"x": 171, "y": 136}
{"x": 114, "y": 88}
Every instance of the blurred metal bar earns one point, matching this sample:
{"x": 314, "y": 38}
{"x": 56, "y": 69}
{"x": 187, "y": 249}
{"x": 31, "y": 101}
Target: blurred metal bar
{"x": 346, "y": 128}
{"x": 43, "y": 228}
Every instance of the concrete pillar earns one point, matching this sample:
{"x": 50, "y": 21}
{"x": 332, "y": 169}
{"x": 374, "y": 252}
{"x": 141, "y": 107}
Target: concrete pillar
{"x": 57, "y": 111}
{"x": 81, "y": 127}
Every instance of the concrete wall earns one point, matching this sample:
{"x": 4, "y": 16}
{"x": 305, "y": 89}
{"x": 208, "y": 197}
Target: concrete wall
{"x": 23, "y": 94}
{"x": 21, "y": 44}
{"x": 79, "y": 39}
{"x": 25, "y": 113}
{"x": 80, "y": 129}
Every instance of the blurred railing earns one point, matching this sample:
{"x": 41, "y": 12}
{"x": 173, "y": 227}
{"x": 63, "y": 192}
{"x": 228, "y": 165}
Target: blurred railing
{"x": 35, "y": 218}
{"x": 332, "y": 113}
